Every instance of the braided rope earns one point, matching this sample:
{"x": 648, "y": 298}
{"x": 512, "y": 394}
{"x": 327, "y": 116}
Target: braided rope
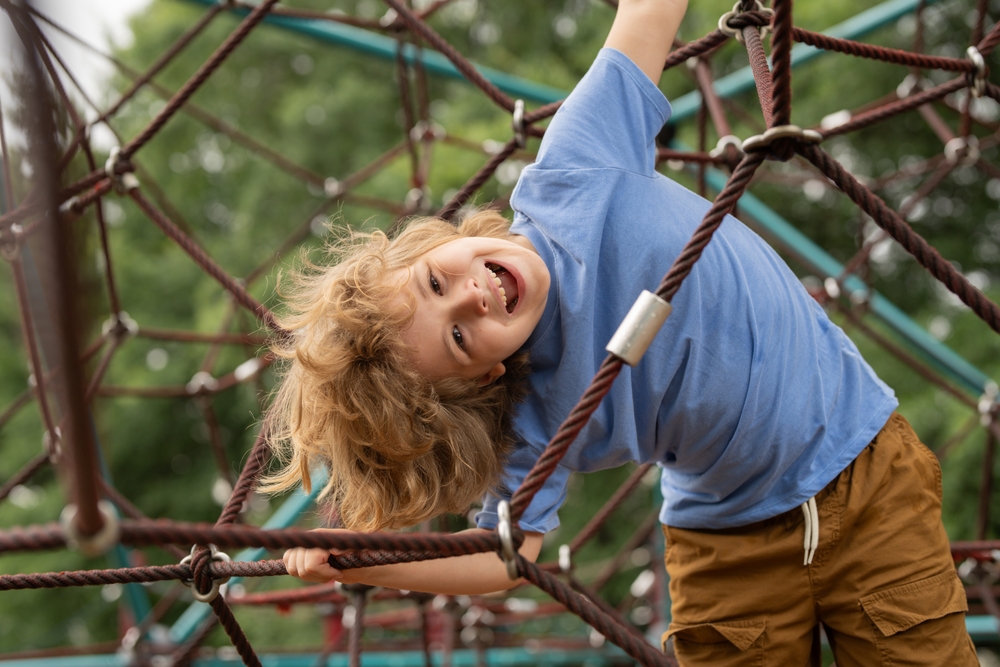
{"x": 915, "y": 244}
{"x": 781, "y": 57}
{"x": 391, "y": 549}
{"x": 635, "y": 646}
{"x": 882, "y": 53}
{"x": 203, "y": 260}
{"x": 200, "y": 77}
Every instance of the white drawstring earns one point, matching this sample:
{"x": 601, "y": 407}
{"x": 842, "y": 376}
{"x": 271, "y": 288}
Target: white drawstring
{"x": 811, "y": 539}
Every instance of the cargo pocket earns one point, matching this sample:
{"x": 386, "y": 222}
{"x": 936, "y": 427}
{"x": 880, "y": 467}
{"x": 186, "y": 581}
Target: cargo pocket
{"x": 718, "y": 644}
{"x": 921, "y": 622}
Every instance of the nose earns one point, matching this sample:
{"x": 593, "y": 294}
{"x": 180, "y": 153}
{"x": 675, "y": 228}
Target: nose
{"x": 470, "y": 298}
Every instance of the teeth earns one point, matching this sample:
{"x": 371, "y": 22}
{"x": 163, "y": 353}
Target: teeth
{"x": 503, "y": 293}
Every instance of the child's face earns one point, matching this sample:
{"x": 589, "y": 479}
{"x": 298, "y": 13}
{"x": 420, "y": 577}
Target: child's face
{"x": 477, "y": 299}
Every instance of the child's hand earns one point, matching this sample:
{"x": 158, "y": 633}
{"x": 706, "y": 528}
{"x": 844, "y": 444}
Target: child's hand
{"x": 312, "y": 564}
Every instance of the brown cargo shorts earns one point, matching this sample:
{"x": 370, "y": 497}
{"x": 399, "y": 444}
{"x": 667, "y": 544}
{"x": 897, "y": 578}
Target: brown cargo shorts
{"x": 882, "y": 581}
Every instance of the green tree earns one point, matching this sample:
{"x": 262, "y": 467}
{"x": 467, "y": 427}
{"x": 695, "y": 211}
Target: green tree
{"x": 332, "y": 111}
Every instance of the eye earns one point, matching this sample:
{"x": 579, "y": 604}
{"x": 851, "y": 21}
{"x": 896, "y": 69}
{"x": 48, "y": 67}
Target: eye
{"x": 457, "y": 335}
{"x": 434, "y": 284}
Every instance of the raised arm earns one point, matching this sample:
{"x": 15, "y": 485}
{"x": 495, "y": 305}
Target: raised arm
{"x": 644, "y": 31}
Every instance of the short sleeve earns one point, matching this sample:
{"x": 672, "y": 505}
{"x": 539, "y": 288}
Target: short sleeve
{"x": 542, "y": 514}
{"x": 610, "y": 120}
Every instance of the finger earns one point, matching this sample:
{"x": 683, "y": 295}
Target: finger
{"x": 317, "y": 565}
{"x": 289, "y": 559}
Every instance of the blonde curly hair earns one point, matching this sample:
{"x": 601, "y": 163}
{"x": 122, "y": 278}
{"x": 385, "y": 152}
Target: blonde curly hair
{"x": 399, "y": 447}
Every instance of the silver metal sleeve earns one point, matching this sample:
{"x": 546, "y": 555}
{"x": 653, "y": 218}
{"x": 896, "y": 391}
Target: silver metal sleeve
{"x": 639, "y": 327}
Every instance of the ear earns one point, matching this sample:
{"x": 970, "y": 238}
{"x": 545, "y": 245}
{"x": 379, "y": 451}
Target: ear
{"x": 492, "y": 375}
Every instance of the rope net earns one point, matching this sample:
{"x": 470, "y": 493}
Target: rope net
{"x": 68, "y": 370}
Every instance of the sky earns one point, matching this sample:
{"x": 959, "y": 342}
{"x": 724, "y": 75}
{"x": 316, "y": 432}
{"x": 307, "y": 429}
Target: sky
{"x": 98, "y": 22}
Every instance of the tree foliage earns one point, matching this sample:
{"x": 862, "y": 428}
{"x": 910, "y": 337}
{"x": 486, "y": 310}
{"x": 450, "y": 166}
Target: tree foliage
{"x": 333, "y": 110}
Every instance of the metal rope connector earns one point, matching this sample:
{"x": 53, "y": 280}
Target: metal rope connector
{"x": 977, "y": 79}
{"x": 639, "y": 327}
{"x": 202, "y": 382}
{"x": 506, "y": 533}
{"x": 565, "y": 559}
{"x": 728, "y": 140}
{"x": 759, "y": 141}
{"x": 988, "y": 404}
{"x": 332, "y": 188}
{"x": 52, "y": 443}
{"x": 517, "y": 123}
{"x": 217, "y": 584}
{"x": 427, "y": 130}
{"x": 91, "y": 545}
{"x": 120, "y": 325}
{"x": 962, "y": 149}
{"x": 10, "y": 242}
{"x": 122, "y": 183}
{"x": 737, "y": 33}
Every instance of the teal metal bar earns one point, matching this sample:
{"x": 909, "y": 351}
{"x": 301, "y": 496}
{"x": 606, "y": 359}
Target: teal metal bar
{"x": 742, "y": 80}
{"x": 495, "y": 657}
{"x": 284, "y": 517}
{"x": 938, "y": 355}
{"x": 683, "y": 107}
{"x": 386, "y": 48}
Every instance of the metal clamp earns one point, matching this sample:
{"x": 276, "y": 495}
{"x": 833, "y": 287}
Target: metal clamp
{"x": 217, "y": 584}
{"x": 201, "y": 382}
{"x": 91, "y": 545}
{"x": 10, "y": 242}
{"x": 332, "y": 188}
{"x": 427, "y": 130}
{"x": 965, "y": 149}
{"x": 759, "y": 141}
{"x": 123, "y": 183}
{"x": 639, "y": 327}
{"x": 728, "y": 140}
{"x": 52, "y": 443}
{"x": 977, "y": 84}
{"x": 517, "y": 123}
{"x": 988, "y": 403}
{"x": 737, "y": 33}
{"x": 506, "y": 533}
{"x": 565, "y": 559}
{"x": 418, "y": 200}
{"x": 120, "y": 324}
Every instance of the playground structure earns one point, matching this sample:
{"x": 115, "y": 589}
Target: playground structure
{"x": 29, "y": 233}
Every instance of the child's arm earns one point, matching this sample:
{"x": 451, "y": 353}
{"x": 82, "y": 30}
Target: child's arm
{"x": 474, "y": 574}
{"x": 644, "y": 31}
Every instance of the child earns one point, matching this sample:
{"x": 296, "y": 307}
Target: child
{"x": 768, "y": 424}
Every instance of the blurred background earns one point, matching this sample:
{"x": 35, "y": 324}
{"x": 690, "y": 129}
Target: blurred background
{"x": 331, "y": 110}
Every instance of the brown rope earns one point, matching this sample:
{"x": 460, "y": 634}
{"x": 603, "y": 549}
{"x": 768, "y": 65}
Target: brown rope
{"x": 889, "y": 220}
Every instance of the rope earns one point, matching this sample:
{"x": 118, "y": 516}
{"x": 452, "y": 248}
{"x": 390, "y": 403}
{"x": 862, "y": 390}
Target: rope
{"x": 915, "y": 244}
{"x": 774, "y": 90}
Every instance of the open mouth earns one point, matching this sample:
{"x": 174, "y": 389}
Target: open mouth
{"x": 506, "y": 284}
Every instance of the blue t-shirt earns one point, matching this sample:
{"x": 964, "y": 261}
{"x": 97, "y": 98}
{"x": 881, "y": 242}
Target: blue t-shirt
{"x": 749, "y": 398}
